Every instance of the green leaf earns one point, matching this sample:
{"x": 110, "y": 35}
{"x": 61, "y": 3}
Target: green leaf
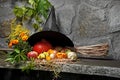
{"x": 29, "y": 66}
{"x": 29, "y": 12}
{"x": 43, "y": 7}
{"x": 19, "y": 11}
{"x": 17, "y": 58}
{"x": 31, "y": 2}
{"x": 9, "y": 59}
{"x": 38, "y": 19}
{"x": 36, "y": 26}
{"x": 23, "y": 57}
{"x": 17, "y": 50}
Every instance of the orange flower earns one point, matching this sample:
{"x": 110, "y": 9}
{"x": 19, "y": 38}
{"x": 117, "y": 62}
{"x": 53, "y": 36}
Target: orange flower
{"x": 15, "y": 41}
{"x": 24, "y": 38}
{"x": 22, "y": 34}
{"x": 10, "y": 45}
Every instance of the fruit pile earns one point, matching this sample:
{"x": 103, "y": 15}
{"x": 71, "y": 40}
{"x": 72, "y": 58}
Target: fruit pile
{"x": 43, "y": 50}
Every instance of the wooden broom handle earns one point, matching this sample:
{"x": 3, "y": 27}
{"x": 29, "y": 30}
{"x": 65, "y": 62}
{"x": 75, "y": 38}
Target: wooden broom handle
{"x": 6, "y": 49}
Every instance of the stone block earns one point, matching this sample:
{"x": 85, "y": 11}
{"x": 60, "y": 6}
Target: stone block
{"x": 114, "y": 17}
{"x": 66, "y": 15}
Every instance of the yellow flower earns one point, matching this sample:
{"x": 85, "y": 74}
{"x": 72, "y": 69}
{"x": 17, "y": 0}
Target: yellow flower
{"x": 24, "y": 38}
{"x": 19, "y": 25}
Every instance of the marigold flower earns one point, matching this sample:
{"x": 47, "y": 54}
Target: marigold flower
{"x": 15, "y": 41}
{"x": 10, "y": 45}
{"x": 24, "y": 38}
{"x": 22, "y": 34}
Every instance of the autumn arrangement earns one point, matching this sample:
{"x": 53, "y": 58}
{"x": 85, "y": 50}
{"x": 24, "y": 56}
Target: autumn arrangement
{"x": 42, "y": 51}
{"x": 42, "y": 54}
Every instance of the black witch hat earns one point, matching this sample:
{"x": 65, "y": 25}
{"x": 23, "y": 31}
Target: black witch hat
{"x": 55, "y": 38}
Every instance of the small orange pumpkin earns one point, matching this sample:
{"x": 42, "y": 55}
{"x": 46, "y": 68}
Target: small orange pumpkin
{"x": 61, "y": 55}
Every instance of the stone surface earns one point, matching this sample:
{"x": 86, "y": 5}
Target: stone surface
{"x": 66, "y": 20}
{"x": 98, "y": 3}
{"x": 114, "y": 16}
{"x": 107, "y": 68}
{"x": 116, "y": 44}
{"x": 5, "y": 16}
{"x": 57, "y": 3}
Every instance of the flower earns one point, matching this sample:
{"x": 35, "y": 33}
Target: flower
{"x": 10, "y": 45}
{"x": 17, "y": 40}
{"x": 18, "y": 33}
{"x": 24, "y": 38}
{"x": 22, "y": 34}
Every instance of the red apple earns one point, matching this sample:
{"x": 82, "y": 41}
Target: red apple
{"x": 32, "y": 54}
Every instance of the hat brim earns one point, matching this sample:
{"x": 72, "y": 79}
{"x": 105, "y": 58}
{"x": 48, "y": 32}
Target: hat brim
{"x": 55, "y": 38}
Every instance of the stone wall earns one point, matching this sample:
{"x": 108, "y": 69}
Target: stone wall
{"x": 5, "y": 15}
{"x": 85, "y": 22}
{"x": 89, "y": 22}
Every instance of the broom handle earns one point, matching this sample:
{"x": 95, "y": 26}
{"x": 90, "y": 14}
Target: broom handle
{"x": 6, "y": 49}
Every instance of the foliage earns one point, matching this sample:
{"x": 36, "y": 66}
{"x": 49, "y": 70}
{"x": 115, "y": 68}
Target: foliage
{"x": 16, "y": 29}
{"x": 28, "y": 66}
{"x": 17, "y": 41}
{"x": 36, "y": 10}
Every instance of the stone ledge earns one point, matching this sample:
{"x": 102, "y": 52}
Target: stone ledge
{"x": 92, "y": 70}
{"x": 109, "y": 68}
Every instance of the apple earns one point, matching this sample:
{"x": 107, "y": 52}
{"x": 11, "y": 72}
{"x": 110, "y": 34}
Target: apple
{"x": 32, "y": 54}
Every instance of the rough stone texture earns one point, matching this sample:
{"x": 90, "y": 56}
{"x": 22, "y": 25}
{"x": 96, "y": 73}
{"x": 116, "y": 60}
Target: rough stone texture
{"x": 85, "y": 22}
{"x": 5, "y": 15}
{"x": 114, "y": 16}
{"x": 98, "y": 3}
{"x": 66, "y": 20}
{"x": 89, "y": 22}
